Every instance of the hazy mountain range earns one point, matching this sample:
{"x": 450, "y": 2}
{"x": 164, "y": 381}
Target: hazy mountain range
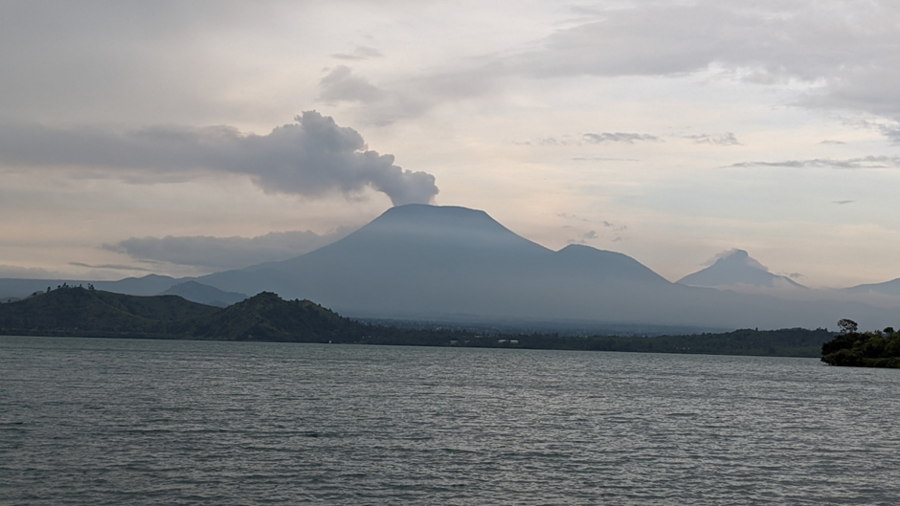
{"x": 453, "y": 263}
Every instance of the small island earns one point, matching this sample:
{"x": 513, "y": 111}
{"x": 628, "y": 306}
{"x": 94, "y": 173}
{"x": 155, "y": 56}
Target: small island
{"x": 863, "y": 349}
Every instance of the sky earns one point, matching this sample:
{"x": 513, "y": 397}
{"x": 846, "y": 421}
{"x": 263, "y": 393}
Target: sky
{"x": 187, "y": 137}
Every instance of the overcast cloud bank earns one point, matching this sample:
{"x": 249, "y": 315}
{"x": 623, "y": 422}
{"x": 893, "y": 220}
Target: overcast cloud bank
{"x": 216, "y": 253}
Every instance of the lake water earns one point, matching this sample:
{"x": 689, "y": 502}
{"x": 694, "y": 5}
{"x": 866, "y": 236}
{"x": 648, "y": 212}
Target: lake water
{"x": 92, "y": 421}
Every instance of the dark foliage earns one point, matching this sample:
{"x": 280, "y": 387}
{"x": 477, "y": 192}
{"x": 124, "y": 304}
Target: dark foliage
{"x": 84, "y": 311}
{"x": 267, "y": 317}
{"x": 863, "y": 349}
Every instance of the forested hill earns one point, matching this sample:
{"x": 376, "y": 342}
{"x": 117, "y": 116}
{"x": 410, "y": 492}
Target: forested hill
{"x": 76, "y": 311}
{"x": 267, "y": 317}
{"x": 85, "y": 311}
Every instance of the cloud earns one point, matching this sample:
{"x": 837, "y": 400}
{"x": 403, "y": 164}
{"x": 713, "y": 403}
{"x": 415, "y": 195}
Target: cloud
{"x": 312, "y": 157}
{"x": 892, "y": 132}
{"x": 628, "y": 138}
{"x": 616, "y": 230}
{"x": 341, "y": 85}
{"x": 114, "y": 267}
{"x": 739, "y": 254}
{"x": 795, "y": 275}
{"x": 602, "y": 159}
{"x": 773, "y": 41}
{"x": 567, "y": 216}
{"x": 360, "y": 53}
{"x": 726, "y": 139}
{"x": 590, "y": 235}
{"x": 406, "y": 97}
{"x": 832, "y": 141}
{"x": 866, "y": 162}
{"x": 13, "y": 271}
{"x": 218, "y": 253}
{"x": 591, "y": 138}
{"x": 840, "y": 54}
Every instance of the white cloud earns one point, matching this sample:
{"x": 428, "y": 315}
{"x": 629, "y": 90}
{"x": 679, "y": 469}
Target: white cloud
{"x": 14, "y": 271}
{"x": 360, "y": 53}
{"x": 627, "y": 138}
{"x": 341, "y": 85}
{"x": 865, "y": 162}
{"x": 726, "y": 139}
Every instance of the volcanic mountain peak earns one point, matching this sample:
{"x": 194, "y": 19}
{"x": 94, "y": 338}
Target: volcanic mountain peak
{"x": 437, "y": 230}
{"x": 735, "y": 268}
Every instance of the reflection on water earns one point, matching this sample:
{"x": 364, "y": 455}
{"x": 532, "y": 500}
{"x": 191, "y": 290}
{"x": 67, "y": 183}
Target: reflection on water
{"x": 89, "y": 421}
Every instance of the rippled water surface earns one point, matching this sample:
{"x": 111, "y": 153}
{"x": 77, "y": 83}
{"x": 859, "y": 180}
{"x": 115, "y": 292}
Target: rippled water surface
{"x": 90, "y": 421}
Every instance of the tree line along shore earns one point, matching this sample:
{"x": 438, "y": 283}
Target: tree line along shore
{"x": 85, "y": 312}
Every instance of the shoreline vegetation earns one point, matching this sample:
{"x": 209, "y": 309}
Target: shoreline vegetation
{"x": 863, "y": 349}
{"x": 85, "y": 312}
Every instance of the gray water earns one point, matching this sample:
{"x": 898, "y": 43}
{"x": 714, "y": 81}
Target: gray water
{"x": 91, "y": 421}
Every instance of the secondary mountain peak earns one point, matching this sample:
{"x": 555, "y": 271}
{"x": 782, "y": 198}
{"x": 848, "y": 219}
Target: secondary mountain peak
{"x": 608, "y": 265}
{"x": 204, "y": 294}
{"x": 891, "y": 287}
{"x": 737, "y": 268}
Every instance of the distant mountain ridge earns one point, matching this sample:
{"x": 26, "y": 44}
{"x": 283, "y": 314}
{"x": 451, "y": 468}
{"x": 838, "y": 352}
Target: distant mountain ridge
{"x": 146, "y": 286}
{"x": 204, "y": 294}
{"x": 891, "y": 287}
{"x": 151, "y": 284}
{"x": 420, "y": 261}
{"x": 454, "y": 264}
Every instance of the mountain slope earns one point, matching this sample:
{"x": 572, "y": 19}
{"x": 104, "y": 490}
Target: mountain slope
{"x": 412, "y": 259}
{"x": 204, "y": 294}
{"x": 421, "y": 261}
{"x": 891, "y": 287}
{"x": 151, "y": 284}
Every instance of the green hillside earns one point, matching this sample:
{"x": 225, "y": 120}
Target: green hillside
{"x": 267, "y": 317}
{"x": 82, "y": 311}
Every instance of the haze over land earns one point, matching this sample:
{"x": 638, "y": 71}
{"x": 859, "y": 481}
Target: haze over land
{"x": 453, "y": 264}
{"x": 184, "y": 140}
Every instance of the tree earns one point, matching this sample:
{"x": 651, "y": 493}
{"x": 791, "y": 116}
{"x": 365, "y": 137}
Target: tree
{"x": 848, "y": 326}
